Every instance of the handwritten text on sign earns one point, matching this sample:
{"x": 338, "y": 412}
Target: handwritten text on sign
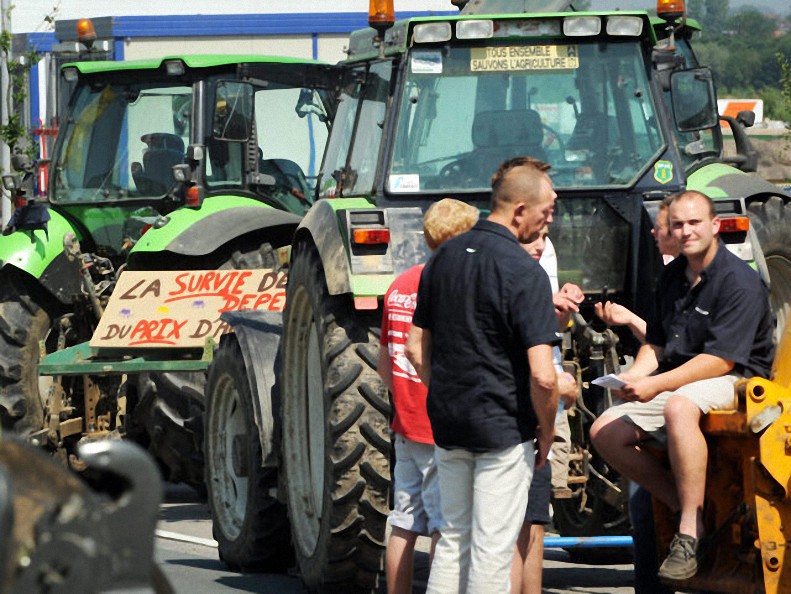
{"x": 182, "y": 308}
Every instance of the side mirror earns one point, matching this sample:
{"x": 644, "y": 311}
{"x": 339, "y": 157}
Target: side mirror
{"x": 233, "y": 111}
{"x": 693, "y": 99}
{"x": 182, "y": 173}
{"x": 11, "y": 183}
{"x": 746, "y": 118}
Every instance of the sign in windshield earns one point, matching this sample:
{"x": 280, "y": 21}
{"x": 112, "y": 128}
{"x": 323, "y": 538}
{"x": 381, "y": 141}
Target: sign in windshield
{"x": 518, "y": 57}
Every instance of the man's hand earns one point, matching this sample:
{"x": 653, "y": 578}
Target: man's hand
{"x": 615, "y": 314}
{"x": 573, "y": 292}
{"x": 641, "y": 389}
{"x": 567, "y": 389}
{"x": 566, "y": 302}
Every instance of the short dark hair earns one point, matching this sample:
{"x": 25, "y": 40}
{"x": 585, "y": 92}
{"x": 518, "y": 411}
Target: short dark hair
{"x": 500, "y": 189}
{"x": 672, "y": 199}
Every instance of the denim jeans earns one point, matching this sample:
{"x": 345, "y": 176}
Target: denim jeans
{"x": 416, "y": 503}
{"x": 483, "y": 498}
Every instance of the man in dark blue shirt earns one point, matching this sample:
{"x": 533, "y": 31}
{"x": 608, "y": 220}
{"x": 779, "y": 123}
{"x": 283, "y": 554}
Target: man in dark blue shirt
{"x": 485, "y": 307}
{"x": 713, "y": 326}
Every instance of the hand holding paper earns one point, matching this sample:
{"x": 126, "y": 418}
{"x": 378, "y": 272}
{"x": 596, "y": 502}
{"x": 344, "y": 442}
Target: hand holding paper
{"x": 610, "y": 381}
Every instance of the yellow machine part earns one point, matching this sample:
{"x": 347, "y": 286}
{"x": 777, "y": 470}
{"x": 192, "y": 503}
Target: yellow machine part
{"x": 769, "y": 403}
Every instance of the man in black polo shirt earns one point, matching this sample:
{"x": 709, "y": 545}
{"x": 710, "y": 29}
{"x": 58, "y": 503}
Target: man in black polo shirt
{"x": 485, "y": 307}
{"x": 713, "y": 326}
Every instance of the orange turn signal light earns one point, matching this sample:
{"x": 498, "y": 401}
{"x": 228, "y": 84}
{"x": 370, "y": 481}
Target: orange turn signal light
{"x": 670, "y": 10}
{"x": 193, "y": 196}
{"x": 734, "y": 224}
{"x": 86, "y": 34}
{"x": 370, "y": 236}
{"x": 381, "y": 14}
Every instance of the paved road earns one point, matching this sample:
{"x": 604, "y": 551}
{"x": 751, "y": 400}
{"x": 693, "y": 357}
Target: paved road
{"x": 188, "y": 556}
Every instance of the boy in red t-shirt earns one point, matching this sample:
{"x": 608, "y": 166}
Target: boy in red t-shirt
{"x": 416, "y": 487}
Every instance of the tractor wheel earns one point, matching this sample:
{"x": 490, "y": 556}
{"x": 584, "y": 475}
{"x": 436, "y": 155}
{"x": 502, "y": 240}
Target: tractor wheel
{"x": 771, "y": 220}
{"x": 248, "y": 522}
{"x": 174, "y": 403}
{"x": 23, "y": 325}
{"x": 335, "y": 434}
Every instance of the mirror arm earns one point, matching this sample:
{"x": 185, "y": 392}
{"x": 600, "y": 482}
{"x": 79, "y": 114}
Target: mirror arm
{"x": 746, "y": 158}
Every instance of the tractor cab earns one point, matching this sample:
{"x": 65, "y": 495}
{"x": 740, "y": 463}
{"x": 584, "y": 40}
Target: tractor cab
{"x": 160, "y": 134}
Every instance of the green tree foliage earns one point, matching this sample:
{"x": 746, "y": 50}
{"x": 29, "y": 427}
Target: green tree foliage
{"x": 785, "y": 84}
{"x": 716, "y": 14}
{"x": 14, "y": 133}
{"x": 712, "y": 14}
{"x": 745, "y": 55}
{"x": 696, "y": 9}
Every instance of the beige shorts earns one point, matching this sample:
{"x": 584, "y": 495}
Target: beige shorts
{"x": 716, "y": 393}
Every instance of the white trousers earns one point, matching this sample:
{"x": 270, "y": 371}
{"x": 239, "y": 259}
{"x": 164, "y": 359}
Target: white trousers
{"x": 483, "y": 498}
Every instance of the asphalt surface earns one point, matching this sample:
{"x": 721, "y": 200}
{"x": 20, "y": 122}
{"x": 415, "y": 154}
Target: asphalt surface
{"x": 187, "y": 554}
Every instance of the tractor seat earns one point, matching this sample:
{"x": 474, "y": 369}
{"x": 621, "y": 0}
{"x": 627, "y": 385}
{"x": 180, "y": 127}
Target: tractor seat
{"x": 499, "y": 135}
{"x": 155, "y": 174}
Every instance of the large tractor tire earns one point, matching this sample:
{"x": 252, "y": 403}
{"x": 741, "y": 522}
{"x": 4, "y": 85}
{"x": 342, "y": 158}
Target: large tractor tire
{"x": 23, "y": 325}
{"x": 249, "y": 524}
{"x": 771, "y": 220}
{"x": 335, "y": 434}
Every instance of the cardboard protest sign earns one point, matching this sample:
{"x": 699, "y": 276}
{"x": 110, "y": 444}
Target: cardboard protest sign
{"x": 182, "y": 308}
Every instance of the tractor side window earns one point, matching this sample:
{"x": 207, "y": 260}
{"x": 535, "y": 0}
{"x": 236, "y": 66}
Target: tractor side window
{"x": 121, "y": 142}
{"x": 365, "y": 151}
{"x": 353, "y": 150}
{"x": 289, "y": 128}
{"x": 341, "y": 137}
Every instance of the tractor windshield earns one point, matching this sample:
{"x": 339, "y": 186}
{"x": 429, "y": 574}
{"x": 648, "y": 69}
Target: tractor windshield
{"x": 585, "y": 108}
{"x": 121, "y": 141}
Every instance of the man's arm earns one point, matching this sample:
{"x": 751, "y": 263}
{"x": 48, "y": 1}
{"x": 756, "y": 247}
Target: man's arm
{"x": 615, "y": 314}
{"x": 384, "y": 366}
{"x": 698, "y": 368}
{"x": 544, "y": 396}
{"x": 645, "y": 363}
{"x": 418, "y": 352}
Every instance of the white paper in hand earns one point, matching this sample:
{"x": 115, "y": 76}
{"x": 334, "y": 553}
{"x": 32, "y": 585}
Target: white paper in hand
{"x": 610, "y": 381}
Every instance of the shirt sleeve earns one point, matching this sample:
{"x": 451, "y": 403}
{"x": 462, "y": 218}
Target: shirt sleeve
{"x": 734, "y": 324}
{"x": 532, "y": 310}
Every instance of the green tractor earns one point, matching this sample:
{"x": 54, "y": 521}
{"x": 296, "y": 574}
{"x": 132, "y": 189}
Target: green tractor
{"x": 428, "y": 107}
{"x": 194, "y": 162}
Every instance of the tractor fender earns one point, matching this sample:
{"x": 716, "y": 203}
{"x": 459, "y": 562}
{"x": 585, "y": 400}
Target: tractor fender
{"x": 325, "y": 226}
{"x": 41, "y": 254}
{"x": 718, "y": 181}
{"x": 258, "y": 333}
{"x": 201, "y": 231}
{"x": 321, "y": 226}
